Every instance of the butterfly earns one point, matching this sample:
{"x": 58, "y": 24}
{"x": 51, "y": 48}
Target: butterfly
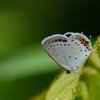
{"x": 69, "y": 50}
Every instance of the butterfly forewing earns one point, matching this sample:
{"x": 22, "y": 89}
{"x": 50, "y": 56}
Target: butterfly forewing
{"x": 55, "y": 46}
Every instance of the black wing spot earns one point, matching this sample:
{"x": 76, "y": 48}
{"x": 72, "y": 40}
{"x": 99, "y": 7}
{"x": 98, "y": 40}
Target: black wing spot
{"x": 57, "y": 44}
{"x": 69, "y": 56}
{"x": 85, "y": 55}
{"x": 75, "y": 42}
{"x": 60, "y": 44}
{"x": 89, "y": 49}
{"x": 65, "y": 44}
{"x": 78, "y": 44}
{"x": 75, "y": 58}
{"x": 81, "y": 50}
{"x": 82, "y": 39}
{"x": 64, "y": 40}
{"x": 50, "y": 46}
{"x": 86, "y": 42}
{"x": 59, "y": 40}
{"x": 71, "y": 47}
{"x": 68, "y": 35}
{"x": 85, "y": 50}
{"x": 68, "y": 44}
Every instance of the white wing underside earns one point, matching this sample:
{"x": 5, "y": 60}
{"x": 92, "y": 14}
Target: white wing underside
{"x": 68, "y": 52}
{"x": 56, "y": 50}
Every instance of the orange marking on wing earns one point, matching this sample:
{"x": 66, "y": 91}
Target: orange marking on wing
{"x": 84, "y": 42}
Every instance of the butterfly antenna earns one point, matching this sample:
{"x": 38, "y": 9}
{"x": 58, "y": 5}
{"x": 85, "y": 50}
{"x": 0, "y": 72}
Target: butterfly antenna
{"x": 60, "y": 74}
{"x": 54, "y": 74}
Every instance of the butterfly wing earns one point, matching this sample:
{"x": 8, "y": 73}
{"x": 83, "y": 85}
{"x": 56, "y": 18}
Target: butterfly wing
{"x": 55, "y": 46}
{"x": 78, "y": 49}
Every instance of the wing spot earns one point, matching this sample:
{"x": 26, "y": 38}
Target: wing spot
{"x": 75, "y": 42}
{"x": 58, "y": 54}
{"x": 64, "y": 40}
{"x": 71, "y": 47}
{"x": 54, "y": 45}
{"x": 50, "y": 46}
{"x": 55, "y": 40}
{"x": 57, "y": 44}
{"x": 65, "y": 44}
{"x": 60, "y": 44}
{"x": 68, "y": 44}
{"x": 82, "y": 39}
{"x": 72, "y": 40}
{"x": 59, "y": 39}
{"x": 75, "y": 58}
{"x": 78, "y": 44}
{"x": 69, "y": 56}
{"x": 85, "y": 55}
{"x": 89, "y": 49}
{"x": 81, "y": 50}
{"x": 85, "y": 50}
{"x": 79, "y": 47}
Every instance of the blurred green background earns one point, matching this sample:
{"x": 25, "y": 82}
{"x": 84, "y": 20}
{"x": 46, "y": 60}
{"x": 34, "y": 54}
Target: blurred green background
{"x": 24, "y": 65}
